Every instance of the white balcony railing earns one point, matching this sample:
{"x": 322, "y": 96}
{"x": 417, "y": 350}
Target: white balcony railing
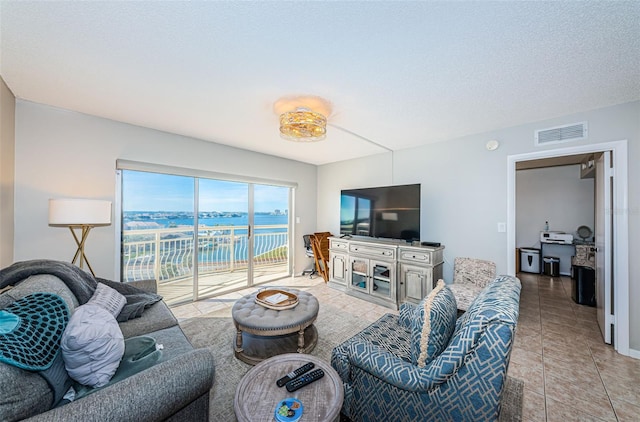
{"x": 167, "y": 254}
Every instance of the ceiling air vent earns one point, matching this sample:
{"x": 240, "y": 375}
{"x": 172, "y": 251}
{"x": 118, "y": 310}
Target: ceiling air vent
{"x": 567, "y": 133}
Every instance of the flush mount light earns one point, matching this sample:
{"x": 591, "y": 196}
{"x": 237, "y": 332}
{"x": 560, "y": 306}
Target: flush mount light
{"x": 303, "y": 125}
{"x": 302, "y": 118}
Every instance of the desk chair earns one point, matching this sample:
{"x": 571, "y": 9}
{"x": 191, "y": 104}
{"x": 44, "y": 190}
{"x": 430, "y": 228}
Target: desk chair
{"x": 308, "y": 250}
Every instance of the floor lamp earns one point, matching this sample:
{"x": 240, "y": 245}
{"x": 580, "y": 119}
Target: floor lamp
{"x": 81, "y": 214}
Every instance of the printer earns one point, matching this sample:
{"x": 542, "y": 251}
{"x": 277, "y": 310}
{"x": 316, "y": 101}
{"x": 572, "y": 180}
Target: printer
{"x": 556, "y": 237}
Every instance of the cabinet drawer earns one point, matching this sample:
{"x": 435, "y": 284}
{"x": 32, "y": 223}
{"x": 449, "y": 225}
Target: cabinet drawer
{"x": 373, "y": 251}
{"x": 416, "y": 256}
{"x": 338, "y": 244}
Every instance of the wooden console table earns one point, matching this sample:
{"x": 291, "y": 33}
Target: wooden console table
{"x": 384, "y": 272}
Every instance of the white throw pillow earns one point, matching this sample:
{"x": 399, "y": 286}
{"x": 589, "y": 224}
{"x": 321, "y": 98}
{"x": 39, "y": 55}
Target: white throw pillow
{"x": 108, "y": 298}
{"x": 92, "y": 345}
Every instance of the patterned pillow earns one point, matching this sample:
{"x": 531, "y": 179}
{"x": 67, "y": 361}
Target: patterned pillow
{"x": 109, "y": 299}
{"x": 406, "y": 314}
{"x": 434, "y": 323}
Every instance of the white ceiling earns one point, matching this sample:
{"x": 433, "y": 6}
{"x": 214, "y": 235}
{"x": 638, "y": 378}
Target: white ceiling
{"x": 398, "y": 74}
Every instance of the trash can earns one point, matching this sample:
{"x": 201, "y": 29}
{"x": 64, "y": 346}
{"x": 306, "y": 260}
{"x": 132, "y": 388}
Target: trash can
{"x": 583, "y": 285}
{"x": 551, "y": 266}
{"x": 530, "y": 260}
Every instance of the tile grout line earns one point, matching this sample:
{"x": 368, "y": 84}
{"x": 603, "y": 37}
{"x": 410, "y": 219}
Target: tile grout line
{"x": 544, "y": 372}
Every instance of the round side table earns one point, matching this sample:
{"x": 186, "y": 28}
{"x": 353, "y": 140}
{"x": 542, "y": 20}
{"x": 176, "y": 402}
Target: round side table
{"x": 257, "y": 394}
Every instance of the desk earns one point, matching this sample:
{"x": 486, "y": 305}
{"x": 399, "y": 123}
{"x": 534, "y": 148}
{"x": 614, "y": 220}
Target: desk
{"x": 562, "y": 251}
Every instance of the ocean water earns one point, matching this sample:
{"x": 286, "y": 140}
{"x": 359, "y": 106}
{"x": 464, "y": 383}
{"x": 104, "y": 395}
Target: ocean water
{"x": 242, "y": 220}
{"x": 209, "y": 252}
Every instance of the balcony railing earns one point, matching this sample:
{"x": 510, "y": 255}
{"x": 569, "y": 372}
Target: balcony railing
{"x": 168, "y": 254}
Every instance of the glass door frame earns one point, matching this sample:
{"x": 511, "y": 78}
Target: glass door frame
{"x": 197, "y": 175}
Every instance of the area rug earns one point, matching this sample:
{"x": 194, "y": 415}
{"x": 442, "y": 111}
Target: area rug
{"x": 216, "y": 332}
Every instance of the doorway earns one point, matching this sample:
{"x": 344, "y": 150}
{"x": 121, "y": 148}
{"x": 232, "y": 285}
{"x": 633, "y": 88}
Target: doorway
{"x": 620, "y": 225}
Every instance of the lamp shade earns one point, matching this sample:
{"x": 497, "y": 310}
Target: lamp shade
{"x": 78, "y": 212}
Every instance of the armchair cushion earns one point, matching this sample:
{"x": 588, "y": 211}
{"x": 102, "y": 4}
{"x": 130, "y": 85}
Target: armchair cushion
{"x": 433, "y": 324}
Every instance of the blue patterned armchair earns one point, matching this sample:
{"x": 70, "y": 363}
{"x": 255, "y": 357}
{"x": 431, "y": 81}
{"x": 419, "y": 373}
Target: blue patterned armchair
{"x": 426, "y": 365}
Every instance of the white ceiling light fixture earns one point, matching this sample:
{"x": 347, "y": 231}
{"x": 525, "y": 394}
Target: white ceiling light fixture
{"x": 303, "y": 118}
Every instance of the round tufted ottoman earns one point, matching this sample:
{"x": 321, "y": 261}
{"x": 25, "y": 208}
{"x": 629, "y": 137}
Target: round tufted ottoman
{"x": 262, "y": 333}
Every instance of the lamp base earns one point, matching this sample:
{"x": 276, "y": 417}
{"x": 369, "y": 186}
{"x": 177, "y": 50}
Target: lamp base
{"x": 79, "y": 256}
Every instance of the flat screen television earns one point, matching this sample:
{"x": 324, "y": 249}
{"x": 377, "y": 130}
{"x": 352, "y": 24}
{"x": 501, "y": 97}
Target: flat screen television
{"x": 391, "y": 212}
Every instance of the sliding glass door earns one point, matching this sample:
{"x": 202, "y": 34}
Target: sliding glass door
{"x": 223, "y": 236}
{"x": 271, "y": 232}
{"x": 157, "y": 231}
{"x": 200, "y": 237}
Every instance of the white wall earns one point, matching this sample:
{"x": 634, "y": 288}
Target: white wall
{"x": 7, "y": 154}
{"x": 557, "y": 195}
{"x": 464, "y": 187}
{"x": 554, "y": 194}
{"x": 61, "y": 153}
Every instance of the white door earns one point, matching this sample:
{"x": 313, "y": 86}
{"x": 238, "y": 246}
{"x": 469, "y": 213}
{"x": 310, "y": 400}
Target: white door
{"x": 604, "y": 219}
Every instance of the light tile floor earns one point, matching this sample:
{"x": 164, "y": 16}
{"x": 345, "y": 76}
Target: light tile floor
{"x": 569, "y": 373}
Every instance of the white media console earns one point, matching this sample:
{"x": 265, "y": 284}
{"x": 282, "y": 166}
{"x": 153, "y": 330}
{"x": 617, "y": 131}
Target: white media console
{"x": 383, "y": 272}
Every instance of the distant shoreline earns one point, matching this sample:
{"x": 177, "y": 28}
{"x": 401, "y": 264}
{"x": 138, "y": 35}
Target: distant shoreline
{"x": 136, "y": 222}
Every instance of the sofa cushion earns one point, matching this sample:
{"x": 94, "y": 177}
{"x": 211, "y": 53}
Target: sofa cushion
{"x": 434, "y": 323}
{"x": 39, "y": 283}
{"x": 157, "y": 317}
{"x": 22, "y": 393}
{"x": 92, "y": 345}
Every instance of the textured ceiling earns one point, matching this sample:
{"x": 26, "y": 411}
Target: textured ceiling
{"x": 398, "y": 74}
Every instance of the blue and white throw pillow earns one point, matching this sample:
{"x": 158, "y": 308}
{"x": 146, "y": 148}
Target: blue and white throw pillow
{"x": 434, "y": 323}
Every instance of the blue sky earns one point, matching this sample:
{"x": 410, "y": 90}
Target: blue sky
{"x": 143, "y": 191}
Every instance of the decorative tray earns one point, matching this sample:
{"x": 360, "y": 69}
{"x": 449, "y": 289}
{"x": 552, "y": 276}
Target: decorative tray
{"x": 276, "y": 299}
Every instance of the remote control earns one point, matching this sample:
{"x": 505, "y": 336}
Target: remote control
{"x": 294, "y": 374}
{"x": 305, "y": 379}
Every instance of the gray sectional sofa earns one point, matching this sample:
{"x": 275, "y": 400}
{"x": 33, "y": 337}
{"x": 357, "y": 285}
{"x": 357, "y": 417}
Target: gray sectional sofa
{"x": 175, "y": 388}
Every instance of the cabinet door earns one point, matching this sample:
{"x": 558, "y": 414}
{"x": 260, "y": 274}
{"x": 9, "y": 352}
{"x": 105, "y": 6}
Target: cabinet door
{"x": 415, "y": 282}
{"x": 338, "y": 268}
{"x": 383, "y": 279}
{"x": 358, "y": 274}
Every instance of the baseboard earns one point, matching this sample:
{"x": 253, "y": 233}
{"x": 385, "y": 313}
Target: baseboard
{"x": 634, "y": 353}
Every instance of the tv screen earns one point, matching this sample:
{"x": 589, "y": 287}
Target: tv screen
{"x": 391, "y": 212}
